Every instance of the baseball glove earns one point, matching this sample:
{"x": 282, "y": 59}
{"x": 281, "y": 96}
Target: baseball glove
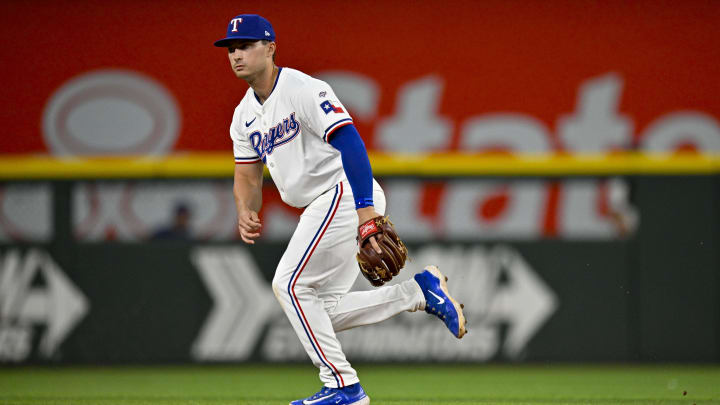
{"x": 380, "y": 268}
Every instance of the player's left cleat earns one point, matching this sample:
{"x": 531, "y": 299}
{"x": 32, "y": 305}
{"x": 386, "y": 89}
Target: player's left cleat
{"x": 439, "y": 302}
{"x": 350, "y": 395}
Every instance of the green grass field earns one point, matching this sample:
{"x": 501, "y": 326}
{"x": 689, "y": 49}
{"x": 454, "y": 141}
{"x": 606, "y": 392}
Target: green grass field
{"x": 386, "y": 384}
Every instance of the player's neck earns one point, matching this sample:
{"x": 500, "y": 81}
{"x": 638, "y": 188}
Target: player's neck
{"x": 263, "y": 83}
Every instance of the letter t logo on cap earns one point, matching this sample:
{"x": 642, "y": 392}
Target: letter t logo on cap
{"x": 235, "y": 22}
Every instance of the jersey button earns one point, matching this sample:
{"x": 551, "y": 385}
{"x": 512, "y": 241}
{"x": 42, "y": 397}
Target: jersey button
{"x": 272, "y": 164}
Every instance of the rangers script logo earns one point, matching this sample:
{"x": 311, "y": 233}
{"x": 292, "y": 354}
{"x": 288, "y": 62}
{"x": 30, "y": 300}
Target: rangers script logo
{"x": 280, "y": 134}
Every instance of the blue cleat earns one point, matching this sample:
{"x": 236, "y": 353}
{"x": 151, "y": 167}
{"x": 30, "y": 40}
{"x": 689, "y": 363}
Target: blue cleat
{"x": 439, "y": 302}
{"x": 350, "y": 395}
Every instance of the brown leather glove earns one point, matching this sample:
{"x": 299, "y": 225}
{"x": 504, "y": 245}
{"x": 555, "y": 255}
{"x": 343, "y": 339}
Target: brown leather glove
{"x": 380, "y": 268}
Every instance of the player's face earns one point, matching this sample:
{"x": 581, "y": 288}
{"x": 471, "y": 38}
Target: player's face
{"x": 249, "y": 57}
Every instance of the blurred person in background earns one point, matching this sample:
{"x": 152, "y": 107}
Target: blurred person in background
{"x": 179, "y": 226}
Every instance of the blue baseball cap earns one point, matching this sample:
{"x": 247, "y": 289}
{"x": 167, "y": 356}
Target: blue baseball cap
{"x": 247, "y": 26}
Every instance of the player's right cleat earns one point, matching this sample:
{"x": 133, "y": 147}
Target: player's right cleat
{"x": 438, "y": 301}
{"x": 350, "y": 395}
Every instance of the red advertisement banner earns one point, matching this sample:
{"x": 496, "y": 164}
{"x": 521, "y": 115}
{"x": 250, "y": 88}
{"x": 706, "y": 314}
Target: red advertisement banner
{"x": 96, "y": 78}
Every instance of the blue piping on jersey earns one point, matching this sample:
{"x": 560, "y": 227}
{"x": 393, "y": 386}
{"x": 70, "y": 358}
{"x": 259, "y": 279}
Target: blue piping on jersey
{"x": 246, "y": 159}
{"x": 333, "y": 126}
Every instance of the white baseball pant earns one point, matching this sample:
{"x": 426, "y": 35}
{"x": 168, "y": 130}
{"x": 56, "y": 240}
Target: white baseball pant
{"x": 314, "y": 277}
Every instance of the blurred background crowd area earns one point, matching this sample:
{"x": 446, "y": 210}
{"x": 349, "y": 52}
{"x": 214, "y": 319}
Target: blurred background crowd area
{"x": 559, "y": 158}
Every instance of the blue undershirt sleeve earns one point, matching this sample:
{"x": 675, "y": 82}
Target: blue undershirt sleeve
{"x": 356, "y": 163}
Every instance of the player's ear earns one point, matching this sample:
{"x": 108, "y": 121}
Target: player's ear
{"x": 271, "y": 48}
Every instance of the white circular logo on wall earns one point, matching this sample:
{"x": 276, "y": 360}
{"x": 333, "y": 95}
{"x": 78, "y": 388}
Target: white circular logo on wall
{"x": 111, "y": 112}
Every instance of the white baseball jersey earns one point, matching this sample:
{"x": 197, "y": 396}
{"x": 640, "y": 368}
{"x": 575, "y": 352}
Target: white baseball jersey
{"x": 289, "y": 133}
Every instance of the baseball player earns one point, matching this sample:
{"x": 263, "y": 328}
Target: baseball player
{"x": 294, "y": 125}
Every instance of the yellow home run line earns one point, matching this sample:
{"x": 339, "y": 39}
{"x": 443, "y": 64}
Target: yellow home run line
{"x": 13, "y": 167}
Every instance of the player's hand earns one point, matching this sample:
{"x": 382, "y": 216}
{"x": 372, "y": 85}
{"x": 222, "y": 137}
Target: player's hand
{"x": 249, "y": 226}
{"x": 364, "y": 215}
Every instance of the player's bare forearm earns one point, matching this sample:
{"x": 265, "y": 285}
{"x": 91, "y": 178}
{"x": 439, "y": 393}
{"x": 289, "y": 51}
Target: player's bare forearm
{"x": 247, "y": 189}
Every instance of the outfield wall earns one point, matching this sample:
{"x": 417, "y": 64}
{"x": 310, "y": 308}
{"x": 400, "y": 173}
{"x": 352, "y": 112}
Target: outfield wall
{"x": 559, "y": 159}
{"x": 550, "y": 269}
